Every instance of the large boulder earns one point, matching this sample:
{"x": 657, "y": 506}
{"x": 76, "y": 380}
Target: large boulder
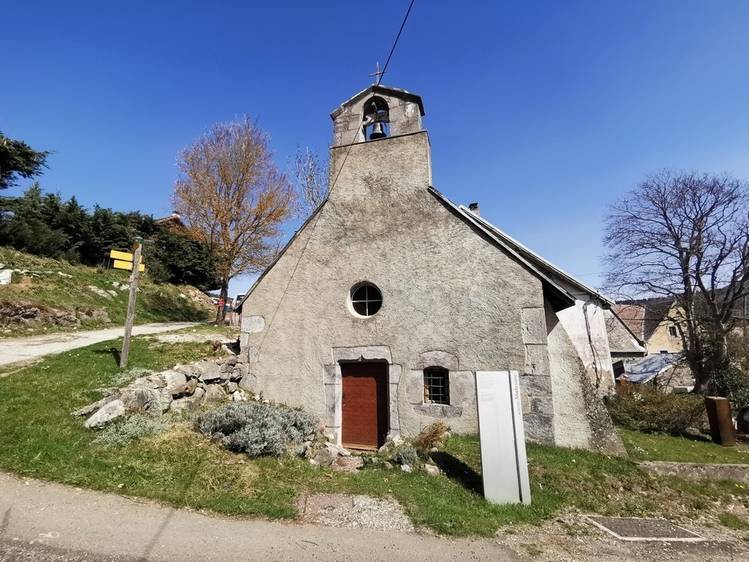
{"x": 91, "y": 408}
{"x": 110, "y": 411}
{"x": 214, "y": 393}
{"x": 174, "y": 379}
{"x": 142, "y": 400}
{"x": 249, "y": 383}
{"x": 149, "y": 381}
{"x": 211, "y": 372}
{"x": 165, "y": 399}
{"x": 188, "y": 403}
{"x": 190, "y": 371}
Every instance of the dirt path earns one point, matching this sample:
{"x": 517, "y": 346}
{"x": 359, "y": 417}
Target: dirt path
{"x": 14, "y": 350}
{"x": 43, "y": 521}
{"x": 50, "y": 522}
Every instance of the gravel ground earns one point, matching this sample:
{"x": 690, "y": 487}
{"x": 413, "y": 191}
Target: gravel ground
{"x": 571, "y": 538}
{"x": 354, "y": 512}
{"x": 190, "y": 338}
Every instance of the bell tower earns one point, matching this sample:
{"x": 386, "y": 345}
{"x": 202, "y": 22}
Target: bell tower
{"x": 375, "y": 113}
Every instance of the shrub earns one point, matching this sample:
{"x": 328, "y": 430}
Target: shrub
{"x": 732, "y": 382}
{"x": 405, "y": 454}
{"x": 431, "y": 436}
{"x": 647, "y": 408}
{"x": 121, "y": 433}
{"x": 256, "y": 429}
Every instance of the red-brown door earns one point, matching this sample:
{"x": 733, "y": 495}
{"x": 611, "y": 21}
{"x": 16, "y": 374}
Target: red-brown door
{"x": 364, "y": 404}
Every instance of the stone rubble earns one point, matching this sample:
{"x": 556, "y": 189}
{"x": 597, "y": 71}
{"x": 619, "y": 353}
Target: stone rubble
{"x": 28, "y": 315}
{"x": 182, "y": 388}
{"x": 186, "y": 388}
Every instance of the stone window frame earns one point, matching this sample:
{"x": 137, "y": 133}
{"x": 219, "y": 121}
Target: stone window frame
{"x": 435, "y": 372}
{"x": 333, "y": 386}
{"x": 444, "y": 360}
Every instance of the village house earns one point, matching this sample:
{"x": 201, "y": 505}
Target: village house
{"x": 646, "y": 342}
{"x": 389, "y": 298}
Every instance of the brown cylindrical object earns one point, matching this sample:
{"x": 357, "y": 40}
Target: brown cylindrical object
{"x": 720, "y": 420}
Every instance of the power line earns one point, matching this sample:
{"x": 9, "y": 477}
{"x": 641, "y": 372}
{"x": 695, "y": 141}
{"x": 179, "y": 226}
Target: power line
{"x": 333, "y": 184}
{"x": 395, "y": 42}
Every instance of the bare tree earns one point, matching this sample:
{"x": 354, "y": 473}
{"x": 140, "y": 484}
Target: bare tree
{"x": 684, "y": 236}
{"x": 311, "y": 179}
{"x": 233, "y": 198}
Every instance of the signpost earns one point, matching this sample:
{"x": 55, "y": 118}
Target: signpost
{"x": 505, "y": 472}
{"x": 135, "y": 257}
{"x": 124, "y": 260}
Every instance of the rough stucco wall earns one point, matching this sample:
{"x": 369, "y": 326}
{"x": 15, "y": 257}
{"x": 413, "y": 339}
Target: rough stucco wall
{"x": 570, "y": 423}
{"x": 580, "y": 418}
{"x": 449, "y": 295}
{"x": 586, "y": 326}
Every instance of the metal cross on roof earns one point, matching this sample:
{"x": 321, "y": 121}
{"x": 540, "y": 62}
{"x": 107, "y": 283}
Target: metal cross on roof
{"x": 377, "y": 74}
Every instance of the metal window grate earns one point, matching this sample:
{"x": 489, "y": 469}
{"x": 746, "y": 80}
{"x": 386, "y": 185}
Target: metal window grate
{"x": 436, "y": 386}
{"x": 366, "y": 299}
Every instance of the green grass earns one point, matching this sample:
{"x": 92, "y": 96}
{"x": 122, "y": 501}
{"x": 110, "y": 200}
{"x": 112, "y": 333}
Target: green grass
{"x": 733, "y": 521}
{"x": 662, "y": 447}
{"x": 43, "y": 286}
{"x": 39, "y": 438}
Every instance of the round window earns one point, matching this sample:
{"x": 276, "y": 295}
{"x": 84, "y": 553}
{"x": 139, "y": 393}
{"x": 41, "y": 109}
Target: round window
{"x": 366, "y": 299}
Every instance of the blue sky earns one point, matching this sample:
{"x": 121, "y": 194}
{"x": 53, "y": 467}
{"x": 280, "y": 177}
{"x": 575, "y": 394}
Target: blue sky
{"x": 543, "y": 111}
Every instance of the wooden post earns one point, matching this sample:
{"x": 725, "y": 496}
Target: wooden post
{"x": 131, "y": 302}
{"x": 720, "y": 421}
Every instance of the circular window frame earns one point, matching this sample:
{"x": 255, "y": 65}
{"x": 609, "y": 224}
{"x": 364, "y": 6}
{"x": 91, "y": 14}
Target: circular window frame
{"x": 350, "y": 300}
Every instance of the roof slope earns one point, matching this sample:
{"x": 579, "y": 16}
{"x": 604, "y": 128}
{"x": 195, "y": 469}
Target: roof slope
{"x": 644, "y": 370}
{"x": 550, "y": 275}
{"x": 621, "y": 338}
{"x": 379, "y": 89}
{"x": 648, "y": 312}
{"x": 633, "y": 316}
{"x": 547, "y": 267}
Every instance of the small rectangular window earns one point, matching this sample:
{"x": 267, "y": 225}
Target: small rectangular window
{"x": 436, "y": 386}
{"x": 673, "y": 331}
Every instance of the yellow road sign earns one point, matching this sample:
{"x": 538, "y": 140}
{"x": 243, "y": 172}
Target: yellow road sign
{"x": 122, "y": 264}
{"x": 118, "y": 255}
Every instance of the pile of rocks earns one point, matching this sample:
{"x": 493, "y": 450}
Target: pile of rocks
{"x": 14, "y": 314}
{"x": 184, "y": 387}
{"x": 330, "y": 454}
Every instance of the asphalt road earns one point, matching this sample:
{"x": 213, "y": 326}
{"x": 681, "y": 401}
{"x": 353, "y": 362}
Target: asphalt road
{"x": 49, "y": 522}
{"x": 15, "y": 350}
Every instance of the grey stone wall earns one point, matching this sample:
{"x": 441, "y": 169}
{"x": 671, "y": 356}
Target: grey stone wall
{"x": 535, "y": 380}
{"x": 450, "y": 298}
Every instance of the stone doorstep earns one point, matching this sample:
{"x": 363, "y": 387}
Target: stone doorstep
{"x": 697, "y": 471}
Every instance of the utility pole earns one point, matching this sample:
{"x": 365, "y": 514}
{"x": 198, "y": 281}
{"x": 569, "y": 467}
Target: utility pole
{"x": 134, "y": 276}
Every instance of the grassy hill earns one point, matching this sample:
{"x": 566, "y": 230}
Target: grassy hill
{"x": 49, "y": 295}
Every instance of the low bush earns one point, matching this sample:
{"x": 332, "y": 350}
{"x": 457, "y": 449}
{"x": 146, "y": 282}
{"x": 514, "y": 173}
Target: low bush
{"x": 256, "y": 429}
{"x": 130, "y": 429}
{"x": 431, "y": 437}
{"x": 405, "y": 454}
{"x": 732, "y": 382}
{"x": 647, "y": 408}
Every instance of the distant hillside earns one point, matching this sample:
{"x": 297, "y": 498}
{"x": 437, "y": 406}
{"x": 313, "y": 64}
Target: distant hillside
{"x": 48, "y": 295}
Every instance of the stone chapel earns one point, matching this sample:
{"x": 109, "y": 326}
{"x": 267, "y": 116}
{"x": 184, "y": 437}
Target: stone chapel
{"x": 387, "y": 300}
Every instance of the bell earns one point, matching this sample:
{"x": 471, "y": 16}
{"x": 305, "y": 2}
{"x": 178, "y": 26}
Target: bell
{"x": 377, "y": 131}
